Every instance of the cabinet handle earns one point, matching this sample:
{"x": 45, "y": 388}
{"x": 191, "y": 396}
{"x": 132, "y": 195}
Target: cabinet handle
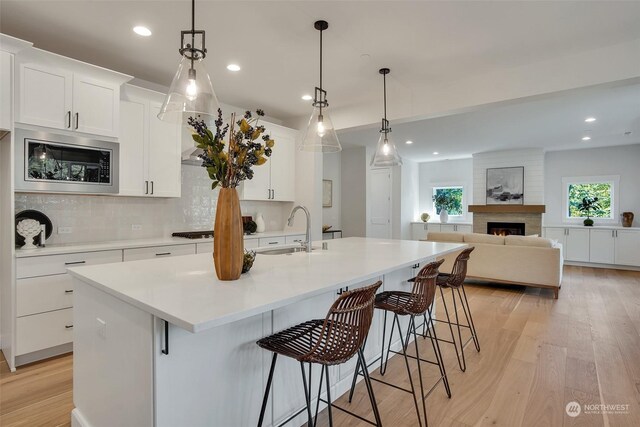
{"x": 273, "y": 243}
{"x": 613, "y": 233}
{"x": 68, "y": 291}
{"x": 146, "y": 187}
{"x": 425, "y": 227}
{"x": 69, "y": 119}
{"x": 68, "y": 326}
{"x": 151, "y": 187}
{"x": 77, "y": 120}
{"x": 164, "y": 254}
{"x": 165, "y": 350}
{"x": 75, "y": 262}
{"x": 274, "y": 194}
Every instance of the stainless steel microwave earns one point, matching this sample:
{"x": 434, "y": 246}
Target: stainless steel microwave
{"x": 54, "y": 163}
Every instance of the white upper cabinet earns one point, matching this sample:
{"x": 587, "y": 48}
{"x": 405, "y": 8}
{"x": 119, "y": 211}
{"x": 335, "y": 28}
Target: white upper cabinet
{"x": 149, "y": 148}
{"x": 45, "y": 96}
{"x": 95, "y": 106}
{"x": 62, "y": 93}
{"x": 6, "y": 80}
{"x": 275, "y": 180}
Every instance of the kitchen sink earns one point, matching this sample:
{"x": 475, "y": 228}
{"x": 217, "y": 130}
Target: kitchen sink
{"x": 281, "y": 251}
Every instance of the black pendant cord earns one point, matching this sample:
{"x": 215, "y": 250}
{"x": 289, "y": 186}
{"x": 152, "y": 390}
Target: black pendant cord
{"x": 384, "y": 84}
{"x": 321, "y": 72}
{"x": 193, "y": 29}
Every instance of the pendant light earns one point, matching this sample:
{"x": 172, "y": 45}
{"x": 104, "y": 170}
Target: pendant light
{"x": 386, "y": 152}
{"x": 320, "y": 134}
{"x": 191, "y": 93}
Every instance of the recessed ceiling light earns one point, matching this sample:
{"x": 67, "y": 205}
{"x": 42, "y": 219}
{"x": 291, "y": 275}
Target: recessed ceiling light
{"x": 590, "y": 119}
{"x": 307, "y": 97}
{"x": 233, "y": 67}
{"x": 142, "y": 31}
{"x": 409, "y": 142}
{"x": 586, "y": 138}
{"x": 435, "y": 153}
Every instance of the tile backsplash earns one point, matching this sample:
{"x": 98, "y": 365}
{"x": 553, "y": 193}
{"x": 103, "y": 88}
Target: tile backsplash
{"x": 104, "y": 218}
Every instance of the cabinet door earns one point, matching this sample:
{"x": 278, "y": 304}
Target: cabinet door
{"x": 627, "y": 250}
{"x": 163, "y": 155}
{"x": 419, "y": 231}
{"x": 132, "y": 138}
{"x": 258, "y": 188}
{"x": 577, "y": 246}
{"x": 95, "y": 106}
{"x": 45, "y": 96}
{"x": 283, "y": 170}
{"x": 464, "y": 228}
{"x": 6, "y": 81}
{"x": 558, "y": 234}
{"x": 602, "y": 246}
{"x": 447, "y": 228}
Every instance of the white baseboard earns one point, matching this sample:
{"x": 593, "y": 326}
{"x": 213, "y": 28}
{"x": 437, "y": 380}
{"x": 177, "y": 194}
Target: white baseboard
{"x": 597, "y": 265}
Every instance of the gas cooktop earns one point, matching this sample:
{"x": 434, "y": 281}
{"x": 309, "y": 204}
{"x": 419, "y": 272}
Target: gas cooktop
{"x": 194, "y": 234}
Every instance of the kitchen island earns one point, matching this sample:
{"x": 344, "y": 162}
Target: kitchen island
{"x": 163, "y": 343}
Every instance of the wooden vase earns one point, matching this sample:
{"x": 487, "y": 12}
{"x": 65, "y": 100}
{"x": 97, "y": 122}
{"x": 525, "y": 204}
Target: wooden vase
{"x": 228, "y": 241}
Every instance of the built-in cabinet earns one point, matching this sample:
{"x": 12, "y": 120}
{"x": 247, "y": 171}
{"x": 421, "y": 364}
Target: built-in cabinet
{"x": 419, "y": 230}
{"x": 149, "y": 147}
{"x": 600, "y": 245}
{"x": 59, "y": 98}
{"x": 275, "y": 180}
{"x": 6, "y": 79}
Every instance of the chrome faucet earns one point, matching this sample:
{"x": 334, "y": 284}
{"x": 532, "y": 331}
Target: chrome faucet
{"x": 308, "y": 215}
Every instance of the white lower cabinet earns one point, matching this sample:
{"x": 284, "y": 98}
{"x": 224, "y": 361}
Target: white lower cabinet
{"x": 251, "y": 243}
{"x": 44, "y": 330}
{"x": 600, "y": 245}
{"x": 419, "y": 230}
{"x": 298, "y": 238}
{"x": 271, "y": 241}
{"x": 42, "y": 294}
{"x": 158, "y": 252}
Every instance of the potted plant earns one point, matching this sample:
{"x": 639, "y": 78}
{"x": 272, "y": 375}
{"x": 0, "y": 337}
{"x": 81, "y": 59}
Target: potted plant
{"x": 228, "y": 164}
{"x": 443, "y": 202}
{"x": 588, "y": 205}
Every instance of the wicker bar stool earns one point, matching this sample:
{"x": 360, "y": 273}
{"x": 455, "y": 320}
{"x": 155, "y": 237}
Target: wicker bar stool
{"x": 331, "y": 341}
{"x": 455, "y": 281}
{"x": 415, "y": 303}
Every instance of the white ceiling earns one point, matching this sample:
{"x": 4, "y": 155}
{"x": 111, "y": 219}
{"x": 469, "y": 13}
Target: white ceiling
{"x": 275, "y": 43}
{"x": 553, "y": 122}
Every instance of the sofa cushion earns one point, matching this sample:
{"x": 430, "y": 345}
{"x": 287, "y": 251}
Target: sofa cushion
{"x": 539, "y": 242}
{"x": 483, "y": 238}
{"x": 435, "y": 236}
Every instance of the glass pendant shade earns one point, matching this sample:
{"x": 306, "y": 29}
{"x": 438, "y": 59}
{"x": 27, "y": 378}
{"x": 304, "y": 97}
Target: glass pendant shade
{"x": 386, "y": 154}
{"x": 190, "y": 95}
{"x": 320, "y": 135}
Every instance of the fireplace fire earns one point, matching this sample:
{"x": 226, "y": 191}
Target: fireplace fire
{"x": 505, "y": 228}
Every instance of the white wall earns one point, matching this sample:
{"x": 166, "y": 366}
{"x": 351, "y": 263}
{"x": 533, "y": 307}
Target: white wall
{"x": 353, "y": 195}
{"x": 445, "y": 173}
{"x": 103, "y": 218}
{"x": 409, "y": 195}
{"x": 621, "y": 160}
{"x": 531, "y": 159}
{"x": 331, "y": 170}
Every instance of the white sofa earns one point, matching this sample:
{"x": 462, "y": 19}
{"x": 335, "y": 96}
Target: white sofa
{"x": 531, "y": 261}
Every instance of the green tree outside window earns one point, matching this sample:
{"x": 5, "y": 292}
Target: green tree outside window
{"x": 600, "y": 190}
{"x": 455, "y": 195}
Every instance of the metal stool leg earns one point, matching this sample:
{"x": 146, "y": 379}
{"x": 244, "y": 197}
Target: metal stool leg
{"x": 326, "y": 370}
{"x": 455, "y": 309}
{"x": 406, "y": 361}
{"x": 367, "y": 380}
{"x": 307, "y": 391}
{"x": 467, "y": 313}
{"x": 412, "y": 326}
{"x": 433, "y": 336}
{"x": 266, "y": 391}
{"x": 461, "y": 363}
{"x": 384, "y": 359}
{"x": 315, "y": 421}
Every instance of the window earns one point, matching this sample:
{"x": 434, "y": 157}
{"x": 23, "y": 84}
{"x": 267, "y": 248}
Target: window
{"x": 602, "y": 187}
{"x": 455, "y": 193}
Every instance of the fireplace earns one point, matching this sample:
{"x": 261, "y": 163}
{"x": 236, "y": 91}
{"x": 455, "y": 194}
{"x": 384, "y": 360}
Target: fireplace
{"x": 505, "y": 228}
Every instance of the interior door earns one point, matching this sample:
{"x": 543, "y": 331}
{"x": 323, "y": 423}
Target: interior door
{"x": 380, "y": 209}
{"x": 45, "y": 96}
{"x": 132, "y": 139}
{"x": 163, "y": 152}
{"x": 95, "y": 105}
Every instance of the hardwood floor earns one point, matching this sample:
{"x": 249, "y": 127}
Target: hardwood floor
{"x": 538, "y": 354}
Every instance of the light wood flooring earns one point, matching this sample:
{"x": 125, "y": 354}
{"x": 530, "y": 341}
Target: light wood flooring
{"x": 537, "y": 355}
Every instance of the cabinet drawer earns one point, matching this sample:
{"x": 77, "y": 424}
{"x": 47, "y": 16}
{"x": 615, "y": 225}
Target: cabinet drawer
{"x": 45, "y": 330}
{"x": 270, "y": 241}
{"x": 251, "y": 243}
{"x": 58, "y": 264}
{"x": 298, "y": 238}
{"x": 42, "y": 294}
{"x": 202, "y": 248}
{"x": 158, "y": 252}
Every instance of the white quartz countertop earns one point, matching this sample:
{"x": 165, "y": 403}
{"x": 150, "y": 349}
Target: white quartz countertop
{"x": 185, "y": 291}
{"x": 133, "y": 243}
